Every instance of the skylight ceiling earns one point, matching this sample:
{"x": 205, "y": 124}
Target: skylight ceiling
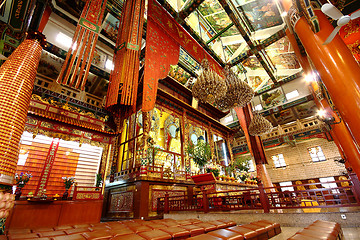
{"x": 256, "y": 20}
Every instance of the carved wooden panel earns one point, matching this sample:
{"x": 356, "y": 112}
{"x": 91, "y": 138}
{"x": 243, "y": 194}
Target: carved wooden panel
{"x": 121, "y": 202}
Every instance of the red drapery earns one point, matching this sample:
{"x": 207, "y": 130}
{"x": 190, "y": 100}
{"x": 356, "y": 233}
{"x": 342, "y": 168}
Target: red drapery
{"x": 75, "y": 69}
{"x": 124, "y": 78}
{"x": 163, "y": 50}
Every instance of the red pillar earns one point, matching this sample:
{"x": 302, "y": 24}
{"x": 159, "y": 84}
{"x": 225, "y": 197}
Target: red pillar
{"x": 45, "y": 18}
{"x": 337, "y": 68}
{"x": 255, "y": 144}
{"x": 340, "y": 132}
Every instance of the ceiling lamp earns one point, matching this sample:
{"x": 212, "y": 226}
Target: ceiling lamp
{"x": 209, "y": 86}
{"x": 239, "y": 93}
{"x": 259, "y": 125}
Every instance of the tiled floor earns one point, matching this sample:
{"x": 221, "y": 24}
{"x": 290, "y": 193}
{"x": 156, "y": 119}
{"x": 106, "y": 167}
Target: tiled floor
{"x": 349, "y": 233}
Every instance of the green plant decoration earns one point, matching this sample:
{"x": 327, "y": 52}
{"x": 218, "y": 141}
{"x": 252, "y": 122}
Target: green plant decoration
{"x": 200, "y": 153}
{"x": 241, "y": 164}
{"x": 215, "y": 171}
{"x": 99, "y": 180}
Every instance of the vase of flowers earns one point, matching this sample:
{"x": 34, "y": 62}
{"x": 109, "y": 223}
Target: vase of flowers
{"x": 68, "y": 181}
{"x": 21, "y": 180}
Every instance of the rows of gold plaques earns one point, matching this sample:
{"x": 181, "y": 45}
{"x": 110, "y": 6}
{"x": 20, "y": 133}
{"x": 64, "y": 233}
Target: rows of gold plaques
{"x": 17, "y": 77}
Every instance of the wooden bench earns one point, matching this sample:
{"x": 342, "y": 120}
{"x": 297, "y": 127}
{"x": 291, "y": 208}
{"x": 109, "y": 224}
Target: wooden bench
{"x": 320, "y": 230}
{"x": 130, "y": 229}
{"x": 260, "y": 230}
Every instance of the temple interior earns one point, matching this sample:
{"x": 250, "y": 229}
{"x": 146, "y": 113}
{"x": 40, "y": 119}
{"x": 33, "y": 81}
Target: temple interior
{"x": 179, "y": 119}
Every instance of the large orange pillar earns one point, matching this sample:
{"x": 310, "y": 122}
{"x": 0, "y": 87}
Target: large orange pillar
{"x": 343, "y": 138}
{"x": 340, "y": 132}
{"x": 255, "y": 144}
{"x": 337, "y": 68}
{"x": 17, "y": 77}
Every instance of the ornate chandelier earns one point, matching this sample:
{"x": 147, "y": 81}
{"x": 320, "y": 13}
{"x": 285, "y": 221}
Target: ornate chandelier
{"x": 239, "y": 93}
{"x": 209, "y": 85}
{"x": 259, "y": 125}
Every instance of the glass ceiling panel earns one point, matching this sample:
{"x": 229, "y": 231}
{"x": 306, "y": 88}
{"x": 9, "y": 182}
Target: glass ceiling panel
{"x": 257, "y": 77}
{"x": 203, "y": 29}
{"x": 219, "y": 21}
{"x": 264, "y": 18}
{"x": 177, "y": 5}
{"x": 283, "y": 57}
{"x": 282, "y": 54}
{"x": 239, "y": 49}
{"x": 261, "y": 14}
{"x": 206, "y": 32}
{"x": 210, "y": 7}
{"x": 231, "y": 32}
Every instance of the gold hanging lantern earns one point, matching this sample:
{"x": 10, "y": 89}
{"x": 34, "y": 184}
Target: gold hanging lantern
{"x": 209, "y": 85}
{"x": 259, "y": 125}
{"x": 239, "y": 93}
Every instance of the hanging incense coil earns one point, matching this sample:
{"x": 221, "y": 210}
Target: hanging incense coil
{"x": 246, "y": 94}
{"x": 209, "y": 85}
{"x": 259, "y": 125}
{"x": 239, "y": 93}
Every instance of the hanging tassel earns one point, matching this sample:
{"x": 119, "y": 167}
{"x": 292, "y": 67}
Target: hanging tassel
{"x": 85, "y": 38}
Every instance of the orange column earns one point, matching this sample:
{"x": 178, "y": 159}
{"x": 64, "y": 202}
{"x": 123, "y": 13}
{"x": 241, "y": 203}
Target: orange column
{"x": 337, "y": 69}
{"x": 17, "y": 77}
{"x": 340, "y": 132}
{"x": 45, "y": 18}
{"x": 343, "y": 138}
{"x": 255, "y": 144}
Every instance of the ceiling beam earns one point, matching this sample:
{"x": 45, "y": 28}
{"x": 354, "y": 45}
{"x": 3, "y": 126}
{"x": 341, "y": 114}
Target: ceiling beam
{"x": 219, "y": 33}
{"x": 265, "y": 43}
{"x": 187, "y": 10}
{"x": 273, "y": 38}
{"x": 282, "y": 82}
{"x": 174, "y": 14}
{"x": 256, "y": 49}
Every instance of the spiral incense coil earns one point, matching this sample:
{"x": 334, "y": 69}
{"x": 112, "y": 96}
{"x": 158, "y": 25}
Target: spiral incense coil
{"x": 209, "y": 85}
{"x": 238, "y": 93}
{"x": 259, "y": 125}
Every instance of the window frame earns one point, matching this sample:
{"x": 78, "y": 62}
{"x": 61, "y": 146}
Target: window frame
{"x": 317, "y": 154}
{"x": 282, "y": 164}
{"x": 286, "y": 186}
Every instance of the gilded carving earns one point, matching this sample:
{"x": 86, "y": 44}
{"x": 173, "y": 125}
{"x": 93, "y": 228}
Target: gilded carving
{"x": 83, "y": 196}
{"x": 120, "y": 202}
{"x": 50, "y": 133}
{"x": 352, "y": 27}
{"x": 68, "y": 107}
{"x": 104, "y": 160}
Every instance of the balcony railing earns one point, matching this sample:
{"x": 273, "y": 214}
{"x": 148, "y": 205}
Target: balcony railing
{"x": 309, "y": 196}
